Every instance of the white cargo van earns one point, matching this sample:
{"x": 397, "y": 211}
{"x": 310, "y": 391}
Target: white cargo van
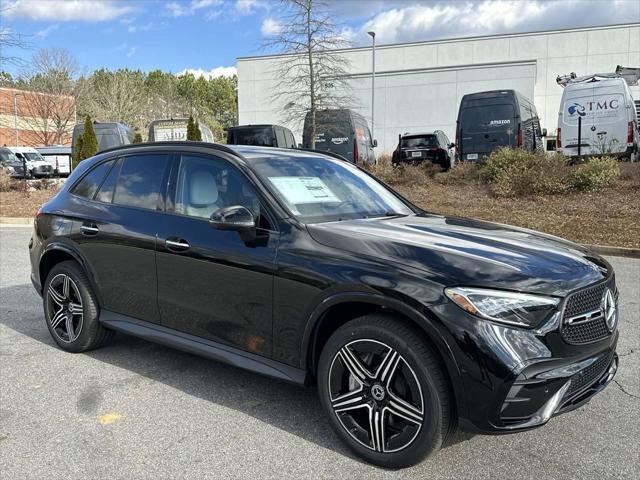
{"x": 607, "y": 113}
{"x": 36, "y": 165}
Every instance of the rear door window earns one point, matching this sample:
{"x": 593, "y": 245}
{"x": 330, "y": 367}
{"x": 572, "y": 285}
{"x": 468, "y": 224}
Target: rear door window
{"x": 88, "y": 186}
{"x": 105, "y": 193}
{"x": 261, "y": 136}
{"x": 488, "y": 118}
{"x": 419, "y": 141}
{"x": 140, "y": 181}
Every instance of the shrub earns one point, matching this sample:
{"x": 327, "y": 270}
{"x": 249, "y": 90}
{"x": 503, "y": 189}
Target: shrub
{"x": 516, "y": 173}
{"x": 403, "y": 174}
{"x": 464, "y": 173}
{"x": 595, "y": 174}
{"x": 5, "y": 181}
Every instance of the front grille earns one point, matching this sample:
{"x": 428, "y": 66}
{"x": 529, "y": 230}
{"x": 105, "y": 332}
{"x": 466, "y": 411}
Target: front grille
{"x": 583, "y": 302}
{"x": 585, "y": 377}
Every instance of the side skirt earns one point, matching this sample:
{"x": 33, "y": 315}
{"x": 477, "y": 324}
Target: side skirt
{"x": 202, "y": 347}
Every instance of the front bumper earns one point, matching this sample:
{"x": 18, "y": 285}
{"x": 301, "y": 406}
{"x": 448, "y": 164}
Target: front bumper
{"x": 515, "y": 379}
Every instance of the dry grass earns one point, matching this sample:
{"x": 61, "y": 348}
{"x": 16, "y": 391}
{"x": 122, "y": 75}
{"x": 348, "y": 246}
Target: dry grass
{"x": 23, "y": 204}
{"x": 608, "y": 217}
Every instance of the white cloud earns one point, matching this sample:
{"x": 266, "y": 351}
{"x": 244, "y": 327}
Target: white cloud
{"x": 247, "y": 7}
{"x": 44, "y": 33}
{"x": 425, "y": 20}
{"x": 213, "y": 73}
{"x": 61, "y": 10}
{"x": 270, "y": 27}
{"x": 132, "y": 51}
{"x": 182, "y": 8}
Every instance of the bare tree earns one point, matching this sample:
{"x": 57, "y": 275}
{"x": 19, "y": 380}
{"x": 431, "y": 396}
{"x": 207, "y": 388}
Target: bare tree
{"x": 313, "y": 75}
{"x": 10, "y": 40}
{"x": 49, "y": 107}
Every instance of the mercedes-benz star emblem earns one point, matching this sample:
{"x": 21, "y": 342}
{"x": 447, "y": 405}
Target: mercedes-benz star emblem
{"x": 608, "y": 308}
{"x": 377, "y": 392}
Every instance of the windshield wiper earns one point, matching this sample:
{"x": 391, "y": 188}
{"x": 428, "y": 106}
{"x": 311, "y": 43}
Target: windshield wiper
{"x": 387, "y": 214}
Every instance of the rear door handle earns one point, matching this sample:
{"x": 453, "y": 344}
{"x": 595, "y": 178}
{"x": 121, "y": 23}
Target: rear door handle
{"x": 177, "y": 244}
{"x": 89, "y": 228}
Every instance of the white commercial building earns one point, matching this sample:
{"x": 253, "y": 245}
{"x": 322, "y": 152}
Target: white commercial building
{"x": 419, "y": 85}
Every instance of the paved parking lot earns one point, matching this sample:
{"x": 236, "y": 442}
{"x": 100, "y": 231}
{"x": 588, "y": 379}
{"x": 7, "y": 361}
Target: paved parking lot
{"x": 138, "y": 410}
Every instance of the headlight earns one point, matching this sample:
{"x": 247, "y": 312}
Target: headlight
{"x": 511, "y": 308}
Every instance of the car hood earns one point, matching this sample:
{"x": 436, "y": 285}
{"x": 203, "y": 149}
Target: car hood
{"x": 459, "y": 251}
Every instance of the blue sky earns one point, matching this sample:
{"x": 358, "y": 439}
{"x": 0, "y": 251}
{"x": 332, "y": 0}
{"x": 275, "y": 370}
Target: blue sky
{"x": 208, "y": 35}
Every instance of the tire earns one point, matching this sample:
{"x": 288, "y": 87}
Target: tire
{"x": 406, "y": 402}
{"x": 71, "y": 309}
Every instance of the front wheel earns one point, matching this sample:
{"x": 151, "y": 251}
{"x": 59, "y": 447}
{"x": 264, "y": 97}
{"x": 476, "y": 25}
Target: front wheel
{"x": 384, "y": 391}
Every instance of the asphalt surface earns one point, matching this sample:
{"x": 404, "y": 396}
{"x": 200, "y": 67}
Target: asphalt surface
{"x": 138, "y": 410}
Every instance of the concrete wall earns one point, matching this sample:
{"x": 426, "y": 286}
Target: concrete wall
{"x": 419, "y": 85}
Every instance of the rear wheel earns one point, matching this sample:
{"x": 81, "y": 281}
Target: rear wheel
{"x": 71, "y": 309}
{"x": 384, "y": 391}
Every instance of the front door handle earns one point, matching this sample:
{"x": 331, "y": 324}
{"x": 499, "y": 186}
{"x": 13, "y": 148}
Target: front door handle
{"x": 177, "y": 244}
{"x": 89, "y": 228}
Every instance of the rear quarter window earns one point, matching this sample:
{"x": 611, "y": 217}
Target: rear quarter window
{"x": 88, "y": 186}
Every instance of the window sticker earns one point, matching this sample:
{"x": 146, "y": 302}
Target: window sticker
{"x": 298, "y": 190}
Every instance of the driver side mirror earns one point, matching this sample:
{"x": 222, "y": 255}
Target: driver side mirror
{"x": 374, "y": 143}
{"x": 236, "y": 218}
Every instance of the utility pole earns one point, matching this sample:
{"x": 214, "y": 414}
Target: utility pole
{"x": 373, "y": 78}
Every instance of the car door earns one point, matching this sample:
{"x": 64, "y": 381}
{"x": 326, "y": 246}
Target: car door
{"x": 118, "y": 208}
{"x": 212, "y": 283}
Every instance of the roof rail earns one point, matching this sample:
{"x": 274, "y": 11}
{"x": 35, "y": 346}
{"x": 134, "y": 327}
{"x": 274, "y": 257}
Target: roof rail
{"x": 630, "y": 75}
{"x": 190, "y": 143}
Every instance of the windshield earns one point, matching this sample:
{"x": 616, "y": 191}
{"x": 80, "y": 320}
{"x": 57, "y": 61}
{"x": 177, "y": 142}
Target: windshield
{"x": 261, "y": 137}
{"x": 421, "y": 141}
{"x": 33, "y": 156}
{"x": 487, "y": 118}
{"x": 318, "y": 189}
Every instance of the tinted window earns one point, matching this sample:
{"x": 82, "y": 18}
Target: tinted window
{"x": 261, "y": 136}
{"x": 419, "y": 141}
{"x": 139, "y": 181}
{"x": 8, "y": 156}
{"x": 92, "y": 180}
{"x": 487, "y": 118}
{"x": 280, "y": 137}
{"x": 206, "y": 184}
{"x": 105, "y": 193}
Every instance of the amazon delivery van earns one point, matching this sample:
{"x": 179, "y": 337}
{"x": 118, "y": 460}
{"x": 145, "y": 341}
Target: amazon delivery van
{"x": 607, "y": 114}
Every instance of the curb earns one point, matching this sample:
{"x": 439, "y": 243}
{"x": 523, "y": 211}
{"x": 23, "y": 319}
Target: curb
{"x": 15, "y": 221}
{"x": 599, "y": 249}
{"x": 614, "y": 251}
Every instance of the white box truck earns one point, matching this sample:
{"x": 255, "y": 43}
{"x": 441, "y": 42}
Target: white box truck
{"x": 598, "y": 117}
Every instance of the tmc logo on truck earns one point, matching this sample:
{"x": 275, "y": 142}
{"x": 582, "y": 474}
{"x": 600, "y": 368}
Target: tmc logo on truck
{"x": 596, "y": 107}
{"x": 576, "y": 109}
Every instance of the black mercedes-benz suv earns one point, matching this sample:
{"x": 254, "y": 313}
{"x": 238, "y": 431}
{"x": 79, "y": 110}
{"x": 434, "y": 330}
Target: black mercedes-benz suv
{"x": 301, "y": 266}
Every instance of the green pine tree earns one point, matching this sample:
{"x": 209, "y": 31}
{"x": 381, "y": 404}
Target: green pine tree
{"x": 191, "y": 129}
{"x": 198, "y": 132}
{"x": 89, "y": 139}
{"x": 77, "y": 151}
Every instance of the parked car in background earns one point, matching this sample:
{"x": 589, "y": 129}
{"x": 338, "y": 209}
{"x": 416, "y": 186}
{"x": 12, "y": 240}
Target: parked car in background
{"x": 58, "y": 157}
{"x": 342, "y": 131}
{"x": 108, "y": 134}
{"x": 261, "y": 136}
{"x": 37, "y": 166}
{"x": 433, "y": 147}
{"x": 607, "y": 115}
{"x": 175, "y": 129}
{"x": 11, "y": 164}
{"x": 497, "y": 118}
{"x": 305, "y": 268}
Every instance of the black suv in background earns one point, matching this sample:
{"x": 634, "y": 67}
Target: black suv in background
{"x": 432, "y": 147}
{"x": 306, "y": 268}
